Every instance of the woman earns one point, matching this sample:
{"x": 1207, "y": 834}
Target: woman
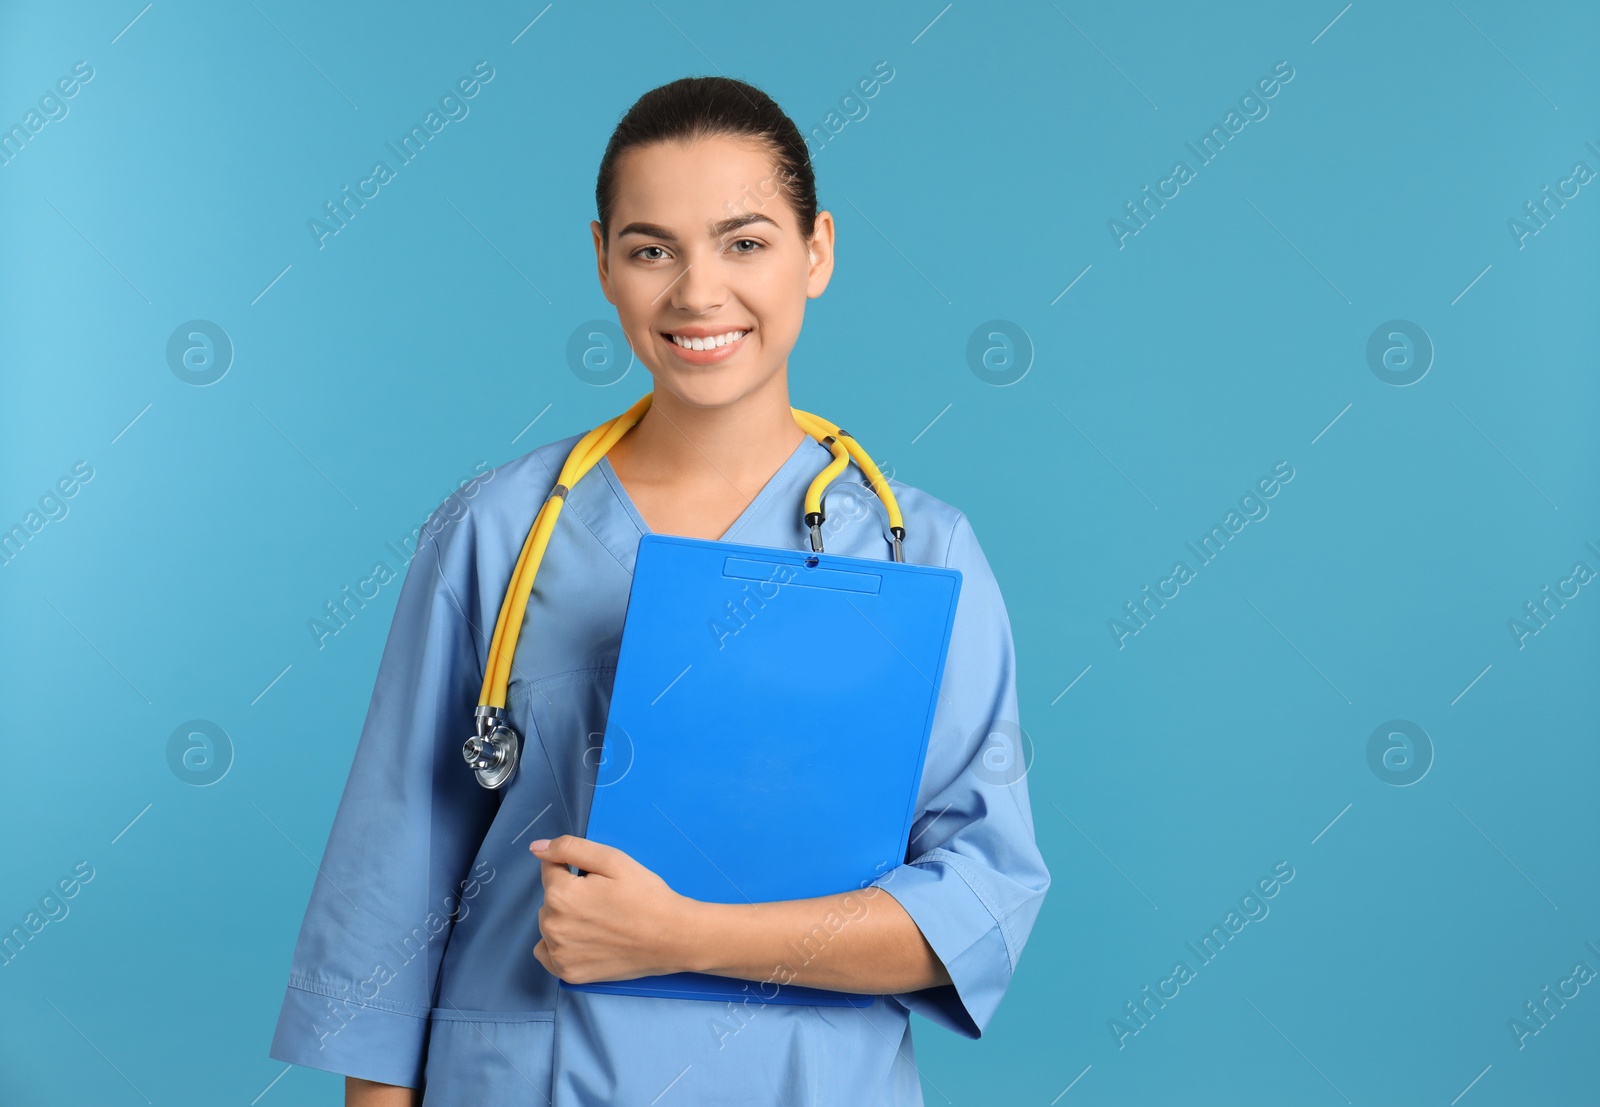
{"x": 444, "y": 913}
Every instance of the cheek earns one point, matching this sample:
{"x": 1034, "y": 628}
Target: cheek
{"x": 779, "y": 299}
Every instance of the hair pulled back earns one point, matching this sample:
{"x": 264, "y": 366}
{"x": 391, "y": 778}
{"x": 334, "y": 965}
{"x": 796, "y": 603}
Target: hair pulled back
{"x": 692, "y": 108}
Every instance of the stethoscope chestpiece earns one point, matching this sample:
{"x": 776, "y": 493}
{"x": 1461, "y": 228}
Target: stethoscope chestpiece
{"x": 492, "y": 751}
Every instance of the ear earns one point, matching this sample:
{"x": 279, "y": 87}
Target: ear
{"x": 600, "y": 261}
{"x": 820, "y": 252}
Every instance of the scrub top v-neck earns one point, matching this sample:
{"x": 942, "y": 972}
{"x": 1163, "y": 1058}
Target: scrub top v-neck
{"x": 779, "y": 478}
{"x": 414, "y": 961}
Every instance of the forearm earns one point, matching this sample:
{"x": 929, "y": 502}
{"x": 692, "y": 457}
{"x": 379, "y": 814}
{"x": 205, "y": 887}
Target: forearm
{"x": 369, "y": 1093}
{"x": 849, "y": 942}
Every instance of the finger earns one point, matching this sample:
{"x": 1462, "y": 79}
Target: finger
{"x": 542, "y": 955}
{"x": 592, "y": 857}
{"x": 553, "y": 872}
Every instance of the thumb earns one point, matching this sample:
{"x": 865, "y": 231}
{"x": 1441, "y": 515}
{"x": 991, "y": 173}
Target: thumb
{"x": 591, "y": 857}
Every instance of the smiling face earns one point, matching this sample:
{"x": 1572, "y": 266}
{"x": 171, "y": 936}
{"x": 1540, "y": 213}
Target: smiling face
{"x": 704, "y": 251}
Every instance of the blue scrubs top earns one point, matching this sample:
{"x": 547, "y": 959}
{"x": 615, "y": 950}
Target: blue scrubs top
{"x": 414, "y": 964}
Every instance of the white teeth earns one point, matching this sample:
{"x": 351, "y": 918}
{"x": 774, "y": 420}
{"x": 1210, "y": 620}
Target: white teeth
{"x": 708, "y": 343}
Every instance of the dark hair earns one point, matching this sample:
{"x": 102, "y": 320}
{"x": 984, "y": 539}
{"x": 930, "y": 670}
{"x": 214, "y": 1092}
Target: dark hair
{"x": 692, "y": 108}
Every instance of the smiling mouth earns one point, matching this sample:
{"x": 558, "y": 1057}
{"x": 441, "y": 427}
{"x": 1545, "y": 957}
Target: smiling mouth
{"x": 710, "y": 342}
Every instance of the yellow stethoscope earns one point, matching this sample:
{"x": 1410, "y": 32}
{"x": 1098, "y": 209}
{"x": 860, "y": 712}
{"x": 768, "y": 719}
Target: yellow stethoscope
{"x": 493, "y": 750}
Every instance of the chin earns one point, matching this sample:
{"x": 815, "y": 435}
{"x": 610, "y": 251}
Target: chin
{"x": 708, "y": 390}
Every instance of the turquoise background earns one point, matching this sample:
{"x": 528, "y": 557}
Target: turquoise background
{"x": 974, "y": 195}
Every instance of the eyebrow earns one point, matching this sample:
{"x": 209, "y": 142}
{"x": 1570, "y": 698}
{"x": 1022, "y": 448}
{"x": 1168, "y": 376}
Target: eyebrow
{"x": 716, "y": 230}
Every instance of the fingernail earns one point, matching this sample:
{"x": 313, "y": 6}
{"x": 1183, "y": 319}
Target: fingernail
{"x": 539, "y": 844}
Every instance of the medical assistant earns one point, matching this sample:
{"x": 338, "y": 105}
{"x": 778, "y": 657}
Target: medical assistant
{"x": 414, "y": 963}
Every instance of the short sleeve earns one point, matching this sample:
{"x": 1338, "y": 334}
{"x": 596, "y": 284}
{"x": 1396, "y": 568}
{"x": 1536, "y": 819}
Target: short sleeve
{"x": 974, "y": 879}
{"x": 362, "y": 980}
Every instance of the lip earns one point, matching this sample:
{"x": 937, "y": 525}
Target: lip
{"x": 705, "y": 357}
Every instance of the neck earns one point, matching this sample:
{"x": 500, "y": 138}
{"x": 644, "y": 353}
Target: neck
{"x": 740, "y": 444}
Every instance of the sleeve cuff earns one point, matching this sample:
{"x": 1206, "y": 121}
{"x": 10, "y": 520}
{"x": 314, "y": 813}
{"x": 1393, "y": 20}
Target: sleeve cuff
{"x": 965, "y": 934}
{"x": 350, "y": 1038}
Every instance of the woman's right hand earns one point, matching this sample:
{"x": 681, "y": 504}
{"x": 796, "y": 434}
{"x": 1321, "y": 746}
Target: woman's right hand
{"x": 369, "y": 1093}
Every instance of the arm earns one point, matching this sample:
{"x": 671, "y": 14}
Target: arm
{"x": 621, "y": 920}
{"x": 369, "y": 1093}
{"x": 944, "y": 941}
{"x": 850, "y": 942}
{"x": 974, "y": 879}
{"x": 363, "y": 975}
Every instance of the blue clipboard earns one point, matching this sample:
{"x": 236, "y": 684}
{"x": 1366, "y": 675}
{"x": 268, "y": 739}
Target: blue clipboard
{"x": 767, "y": 731}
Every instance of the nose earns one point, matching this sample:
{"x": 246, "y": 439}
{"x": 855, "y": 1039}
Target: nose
{"x": 699, "y": 288}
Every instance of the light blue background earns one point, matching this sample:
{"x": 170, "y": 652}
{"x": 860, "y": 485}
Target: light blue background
{"x": 1230, "y": 734}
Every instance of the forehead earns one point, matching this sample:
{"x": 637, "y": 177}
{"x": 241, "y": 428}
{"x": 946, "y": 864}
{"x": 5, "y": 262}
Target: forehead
{"x": 695, "y": 182}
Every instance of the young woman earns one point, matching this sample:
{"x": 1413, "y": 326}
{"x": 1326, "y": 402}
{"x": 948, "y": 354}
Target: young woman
{"x": 444, "y": 913}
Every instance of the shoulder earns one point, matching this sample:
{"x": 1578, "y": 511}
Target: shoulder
{"x": 497, "y": 502}
{"x": 937, "y": 529}
{"x": 947, "y": 538}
